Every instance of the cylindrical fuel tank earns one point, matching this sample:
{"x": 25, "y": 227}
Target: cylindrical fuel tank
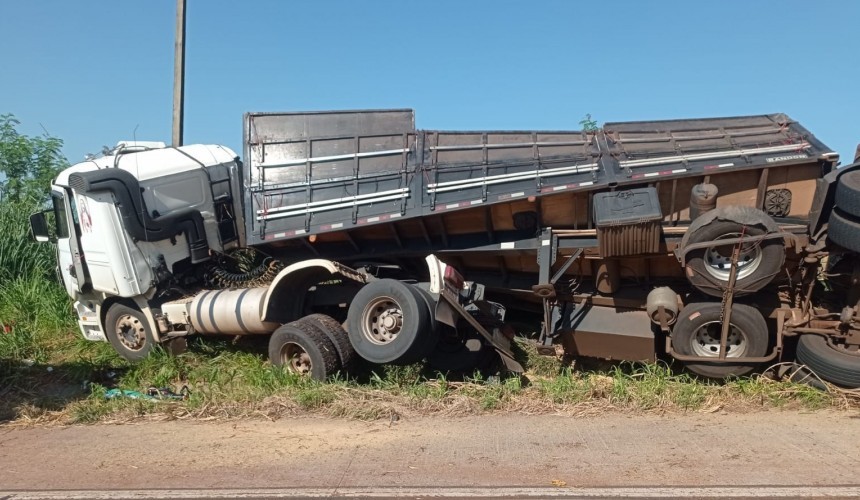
{"x": 231, "y": 312}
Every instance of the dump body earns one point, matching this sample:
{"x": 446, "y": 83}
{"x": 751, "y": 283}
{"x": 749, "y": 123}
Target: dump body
{"x": 369, "y": 185}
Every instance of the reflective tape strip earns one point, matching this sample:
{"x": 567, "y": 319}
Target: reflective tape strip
{"x": 713, "y": 156}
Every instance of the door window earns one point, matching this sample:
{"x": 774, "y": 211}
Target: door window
{"x": 61, "y": 217}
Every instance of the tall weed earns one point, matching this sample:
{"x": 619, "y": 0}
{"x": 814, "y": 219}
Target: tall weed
{"x": 35, "y": 312}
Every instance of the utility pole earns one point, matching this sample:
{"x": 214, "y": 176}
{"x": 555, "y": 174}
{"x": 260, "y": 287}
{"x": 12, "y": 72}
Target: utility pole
{"x": 179, "y": 75}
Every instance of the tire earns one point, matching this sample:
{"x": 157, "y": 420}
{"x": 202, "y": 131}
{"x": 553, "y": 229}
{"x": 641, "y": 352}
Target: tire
{"x": 338, "y": 337}
{"x": 829, "y": 362}
{"x": 848, "y": 193}
{"x": 844, "y": 231}
{"x": 697, "y": 333}
{"x": 128, "y": 332}
{"x": 803, "y": 375}
{"x": 431, "y": 333}
{"x": 388, "y": 322}
{"x": 303, "y": 350}
{"x": 708, "y": 268}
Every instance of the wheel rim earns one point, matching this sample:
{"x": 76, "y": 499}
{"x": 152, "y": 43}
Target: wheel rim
{"x": 382, "y": 321}
{"x": 131, "y": 332}
{"x": 718, "y": 258}
{"x": 705, "y": 341}
{"x": 843, "y": 348}
{"x": 296, "y": 359}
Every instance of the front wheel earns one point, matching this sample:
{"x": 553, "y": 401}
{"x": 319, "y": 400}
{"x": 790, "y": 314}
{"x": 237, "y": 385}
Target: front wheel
{"x": 698, "y": 330}
{"x": 128, "y": 332}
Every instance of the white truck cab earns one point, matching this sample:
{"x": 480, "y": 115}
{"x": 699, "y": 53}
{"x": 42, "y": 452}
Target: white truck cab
{"x": 122, "y": 218}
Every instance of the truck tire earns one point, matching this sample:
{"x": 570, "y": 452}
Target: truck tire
{"x": 697, "y": 333}
{"x": 829, "y": 361}
{"x": 303, "y": 350}
{"x": 848, "y": 193}
{"x": 431, "y": 334}
{"x": 844, "y": 231}
{"x": 708, "y": 268}
{"x": 338, "y": 336}
{"x": 128, "y": 332}
{"x": 388, "y": 322}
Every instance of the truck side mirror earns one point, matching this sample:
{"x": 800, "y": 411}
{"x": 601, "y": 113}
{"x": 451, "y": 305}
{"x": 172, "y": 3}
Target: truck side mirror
{"x": 39, "y": 228}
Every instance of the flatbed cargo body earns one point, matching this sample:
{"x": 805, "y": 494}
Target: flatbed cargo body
{"x": 367, "y": 184}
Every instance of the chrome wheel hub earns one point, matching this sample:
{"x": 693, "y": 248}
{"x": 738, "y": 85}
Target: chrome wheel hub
{"x": 718, "y": 258}
{"x": 706, "y": 341}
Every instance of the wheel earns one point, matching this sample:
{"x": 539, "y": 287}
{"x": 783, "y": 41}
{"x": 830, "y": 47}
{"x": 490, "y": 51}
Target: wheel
{"x": 708, "y": 268}
{"x": 460, "y": 353}
{"x": 848, "y": 193}
{"x": 128, "y": 332}
{"x": 834, "y": 362}
{"x": 388, "y": 322}
{"x": 303, "y": 350}
{"x": 431, "y": 334}
{"x": 338, "y": 337}
{"x": 844, "y": 231}
{"x": 697, "y": 333}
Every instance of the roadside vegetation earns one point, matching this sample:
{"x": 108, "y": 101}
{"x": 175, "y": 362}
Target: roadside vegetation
{"x": 50, "y": 374}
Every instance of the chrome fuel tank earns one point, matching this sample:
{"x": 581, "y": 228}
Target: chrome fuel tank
{"x": 231, "y": 312}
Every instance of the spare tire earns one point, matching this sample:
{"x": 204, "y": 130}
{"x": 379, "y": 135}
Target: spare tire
{"x": 388, "y": 322}
{"x": 830, "y": 361}
{"x": 848, "y": 193}
{"x": 708, "y": 268}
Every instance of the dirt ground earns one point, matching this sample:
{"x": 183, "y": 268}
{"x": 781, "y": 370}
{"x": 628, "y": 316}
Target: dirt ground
{"x": 697, "y": 449}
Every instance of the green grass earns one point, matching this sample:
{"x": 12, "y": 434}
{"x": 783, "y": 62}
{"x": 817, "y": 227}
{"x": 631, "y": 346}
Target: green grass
{"x": 230, "y": 381}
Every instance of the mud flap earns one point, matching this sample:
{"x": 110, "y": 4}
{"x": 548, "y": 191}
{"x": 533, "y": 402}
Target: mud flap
{"x": 447, "y": 312}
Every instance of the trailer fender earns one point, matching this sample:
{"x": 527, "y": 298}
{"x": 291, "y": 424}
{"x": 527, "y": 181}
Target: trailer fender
{"x": 736, "y": 213}
{"x": 284, "y": 301}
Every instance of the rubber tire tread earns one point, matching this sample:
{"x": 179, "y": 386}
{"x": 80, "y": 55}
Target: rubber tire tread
{"x": 431, "y": 334}
{"x": 744, "y": 316}
{"x": 416, "y": 316}
{"x": 114, "y": 312}
{"x": 773, "y": 257}
{"x": 338, "y": 336}
{"x": 844, "y": 231}
{"x": 324, "y": 360}
{"x": 828, "y": 363}
{"x": 848, "y": 193}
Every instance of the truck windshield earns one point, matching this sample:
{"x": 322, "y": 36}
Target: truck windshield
{"x": 61, "y": 218}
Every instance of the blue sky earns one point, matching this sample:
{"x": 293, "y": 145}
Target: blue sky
{"x": 95, "y": 72}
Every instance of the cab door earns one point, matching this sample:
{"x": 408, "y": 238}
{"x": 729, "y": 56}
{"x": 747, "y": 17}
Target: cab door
{"x": 68, "y": 255}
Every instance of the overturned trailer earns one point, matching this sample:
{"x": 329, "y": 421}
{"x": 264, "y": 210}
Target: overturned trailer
{"x": 704, "y": 239}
